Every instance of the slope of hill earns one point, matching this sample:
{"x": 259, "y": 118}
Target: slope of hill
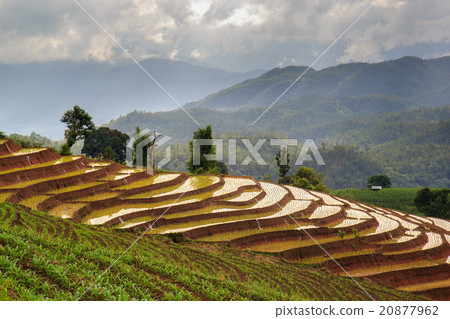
{"x": 48, "y": 258}
{"x": 41, "y": 92}
{"x": 422, "y": 82}
{"x": 402, "y": 251}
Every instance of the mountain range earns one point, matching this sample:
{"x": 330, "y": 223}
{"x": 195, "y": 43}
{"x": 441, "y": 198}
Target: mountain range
{"x": 419, "y": 82}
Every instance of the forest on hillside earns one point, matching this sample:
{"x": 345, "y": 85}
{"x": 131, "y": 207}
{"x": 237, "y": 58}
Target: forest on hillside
{"x": 412, "y": 147}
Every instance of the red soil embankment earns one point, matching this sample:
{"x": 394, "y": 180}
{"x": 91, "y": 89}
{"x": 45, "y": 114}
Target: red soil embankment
{"x": 366, "y": 262}
{"x": 175, "y": 196}
{"x": 339, "y": 216}
{"x": 208, "y": 231}
{"x": 59, "y": 199}
{"x": 292, "y": 235}
{"x": 332, "y": 248}
{"x": 43, "y": 172}
{"x": 55, "y": 184}
{"x": 25, "y": 160}
{"x": 112, "y": 202}
{"x": 442, "y": 294}
{"x": 409, "y": 277}
{"x": 157, "y": 212}
{"x": 419, "y": 241}
{"x": 8, "y": 147}
{"x": 151, "y": 187}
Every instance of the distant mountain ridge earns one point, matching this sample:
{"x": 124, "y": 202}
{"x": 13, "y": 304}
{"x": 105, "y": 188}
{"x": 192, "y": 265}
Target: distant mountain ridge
{"x": 421, "y": 82}
{"x": 37, "y": 94}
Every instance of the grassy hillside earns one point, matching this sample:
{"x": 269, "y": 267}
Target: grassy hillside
{"x": 48, "y": 258}
{"x": 401, "y": 199}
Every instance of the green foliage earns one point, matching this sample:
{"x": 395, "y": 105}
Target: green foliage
{"x": 34, "y": 140}
{"x": 379, "y": 180}
{"x": 109, "y": 153}
{"x": 205, "y": 166}
{"x": 283, "y": 159}
{"x": 2, "y": 134}
{"x": 222, "y": 168}
{"x": 401, "y": 199}
{"x": 110, "y": 143}
{"x": 65, "y": 150}
{"x": 433, "y": 203}
{"x": 306, "y": 177}
{"x": 345, "y": 166}
{"x": 79, "y": 125}
{"x": 341, "y": 234}
{"x": 144, "y": 149}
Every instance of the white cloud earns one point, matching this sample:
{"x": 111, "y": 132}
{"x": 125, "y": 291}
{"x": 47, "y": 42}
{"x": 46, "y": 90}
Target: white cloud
{"x": 232, "y": 33}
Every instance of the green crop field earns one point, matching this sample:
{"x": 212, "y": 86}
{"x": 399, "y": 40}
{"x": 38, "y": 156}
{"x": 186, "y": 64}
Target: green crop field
{"x": 401, "y": 199}
{"x": 48, "y": 258}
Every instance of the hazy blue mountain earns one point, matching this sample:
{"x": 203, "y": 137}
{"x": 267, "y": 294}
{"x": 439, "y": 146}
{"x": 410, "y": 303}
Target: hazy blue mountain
{"x": 34, "y": 96}
{"x": 422, "y": 82}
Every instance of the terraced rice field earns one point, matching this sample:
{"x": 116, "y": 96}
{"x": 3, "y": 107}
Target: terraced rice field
{"x": 392, "y": 248}
{"x": 48, "y": 258}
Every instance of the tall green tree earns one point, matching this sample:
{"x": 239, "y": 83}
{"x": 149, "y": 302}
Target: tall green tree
{"x": 205, "y": 166}
{"x": 379, "y": 180}
{"x": 109, "y": 153}
{"x": 145, "y": 147}
{"x": 110, "y": 143}
{"x": 79, "y": 125}
{"x": 283, "y": 168}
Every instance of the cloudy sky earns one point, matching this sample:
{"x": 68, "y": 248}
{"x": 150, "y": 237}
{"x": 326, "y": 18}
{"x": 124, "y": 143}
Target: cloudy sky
{"x": 230, "y": 34}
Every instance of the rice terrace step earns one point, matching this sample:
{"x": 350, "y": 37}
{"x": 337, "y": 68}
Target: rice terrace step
{"x": 398, "y": 250}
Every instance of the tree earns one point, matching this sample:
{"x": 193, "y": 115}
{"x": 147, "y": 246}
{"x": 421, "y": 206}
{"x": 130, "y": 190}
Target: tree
{"x": 306, "y": 177}
{"x": 79, "y": 125}
{"x": 100, "y": 140}
{"x": 145, "y": 147}
{"x": 65, "y": 150}
{"x": 221, "y": 168}
{"x": 379, "y": 180}
{"x": 283, "y": 168}
{"x": 2, "y": 134}
{"x": 433, "y": 203}
{"x": 205, "y": 165}
{"x": 109, "y": 153}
